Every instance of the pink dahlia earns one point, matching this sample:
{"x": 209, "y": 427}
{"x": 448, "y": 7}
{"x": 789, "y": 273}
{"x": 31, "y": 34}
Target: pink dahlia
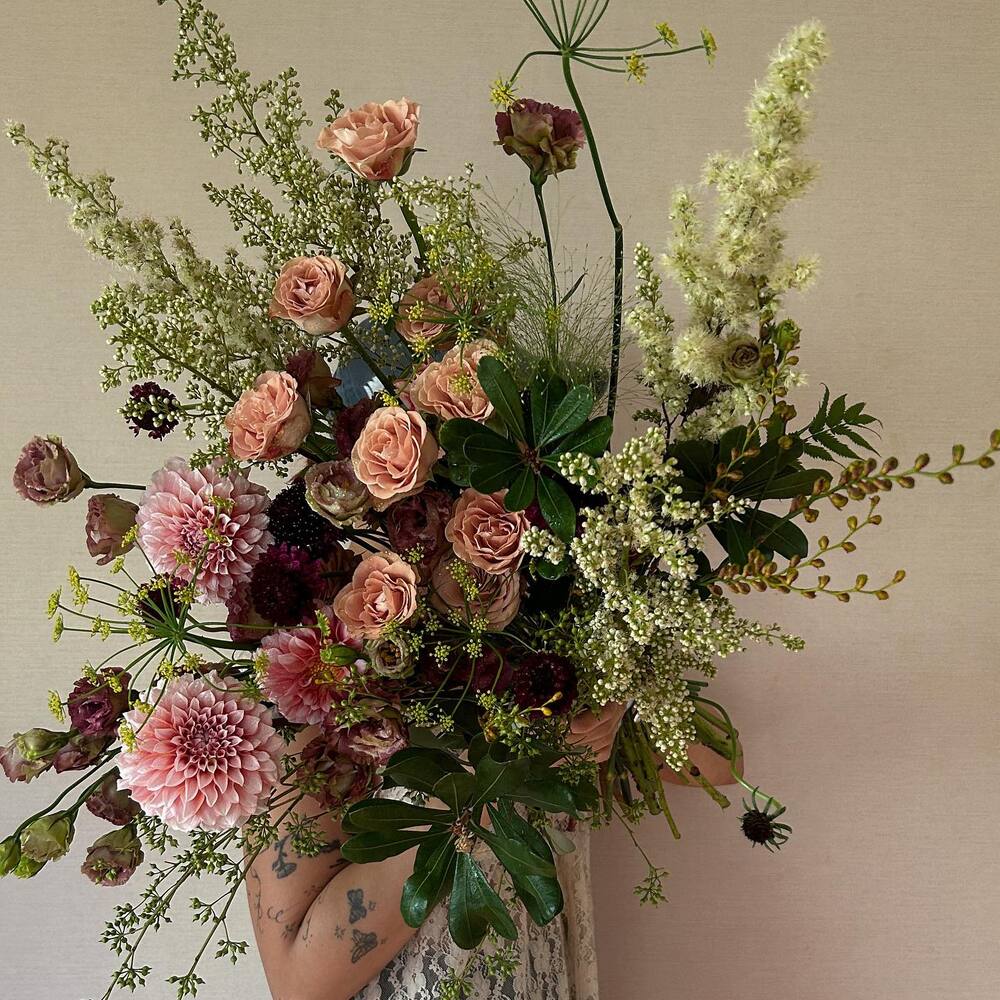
{"x": 200, "y": 516}
{"x": 297, "y": 680}
{"x": 206, "y": 758}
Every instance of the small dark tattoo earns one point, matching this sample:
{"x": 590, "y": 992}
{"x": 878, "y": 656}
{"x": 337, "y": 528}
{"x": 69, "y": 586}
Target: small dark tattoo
{"x": 282, "y": 867}
{"x": 356, "y": 898}
{"x": 338, "y": 932}
{"x": 363, "y": 943}
{"x": 254, "y": 892}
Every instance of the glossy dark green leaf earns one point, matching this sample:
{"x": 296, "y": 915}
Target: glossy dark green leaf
{"x": 554, "y": 571}
{"x": 455, "y": 790}
{"x": 479, "y": 746}
{"x": 522, "y": 490}
{"x": 515, "y": 856}
{"x": 550, "y": 795}
{"x": 475, "y": 906}
{"x": 421, "y": 768}
{"x": 556, "y": 508}
{"x": 546, "y": 395}
{"x": 785, "y": 537}
{"x": 389, "y": 814}
{"x": 499, "y": 777}
{"x": 490, "y": 480}
{"x": 451, "y": 434}
{"x": 431, "y": 879}
{"x": 572, "y": 410}
{"x": 377, "y": 845}
{"x": 486, "y": 447}
{"x": 420, "y": 736}
{"x": 736, "y": 540}
{"x": 793, "y": 484}
{"x": 503, "y": 394}
{"x": 592, "y": 438}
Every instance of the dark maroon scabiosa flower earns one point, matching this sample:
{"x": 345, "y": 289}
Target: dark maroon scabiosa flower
{"x": 545, "y": 683}
{"x": 545, "y": 136}
{"x": 331, "y": 777}
{"x": 112, "y": 804}
{"x": 285, "y": 583}
{"x": 418, "y": 522}
{"x": 113, "y": 858}
{"x": 292, "y": 520}
{"x": 95, "y": 708}
{"x": 159, "y": 603}
{"x": 152, "y": 409}
{"x": 759, "y": 823}
{"x": 350, "y": 422}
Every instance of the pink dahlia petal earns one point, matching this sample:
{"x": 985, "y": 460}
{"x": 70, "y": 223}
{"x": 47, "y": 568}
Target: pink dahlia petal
{"x": 207, "y": 758}
{"x": 182, "y": 529}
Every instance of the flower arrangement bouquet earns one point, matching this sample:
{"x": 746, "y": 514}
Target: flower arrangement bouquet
{"x": 457, "y": 564}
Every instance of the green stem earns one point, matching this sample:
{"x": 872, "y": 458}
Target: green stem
{"x": 616, "y": 319}
{"x": 540, "y": 202}
{"x": 366, "y": 356}
{"x": 94, "y": 485}
{"x": 414, "y": 226}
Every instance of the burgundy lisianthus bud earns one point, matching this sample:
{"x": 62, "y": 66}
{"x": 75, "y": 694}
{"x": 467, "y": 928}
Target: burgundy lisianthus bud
{"x": 350, "y": 422}
{"x": 545, "y": 683}
{"x": 546, "y": 137}
{"x": 17, "y": 767}
{"x": 333, "y": 779}
{"x": 96, "y": 709}
{"x": 373, "y": 741}
{"x": 80, "y": 752}
{"x": 418, "y": 522}
{"x": 112, "y": 804}
{"x": 109, "y": 518}
{"x": 47, "y": 473}
{"x": 316, "y": 381}
{"x": 113, "y": 858}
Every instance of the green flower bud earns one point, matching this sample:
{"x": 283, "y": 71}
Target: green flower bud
{"x": 741, "y": 358}
{"x": 40, "y": 744}
{"x": 48, "y": 837}
{"x": 10, "y": 855}
{"x": 28, "y": 867}
{"x": 786, "y": 336}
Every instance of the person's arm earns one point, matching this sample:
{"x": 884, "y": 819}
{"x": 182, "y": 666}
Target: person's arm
{"x": 325, "y": 928}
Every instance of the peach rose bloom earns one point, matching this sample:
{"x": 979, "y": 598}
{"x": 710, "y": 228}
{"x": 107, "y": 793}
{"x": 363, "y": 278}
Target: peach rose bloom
{"x": 428, "y": 320}
{"x": 383, "y": 590}
{"x": 499, "y": 593}
{"x": 268, "y": 421}
{"x": 394, "y": 454}
{"x": 375, "y": 140}
{"x": 483, "y": 532}
{"x": 314, "y": 293}
{"x": 450, "y": 388}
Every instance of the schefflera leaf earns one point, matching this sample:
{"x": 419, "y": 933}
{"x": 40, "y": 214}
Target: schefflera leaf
{"x": 489, "y": 784}
{"x": 522, "y": 456}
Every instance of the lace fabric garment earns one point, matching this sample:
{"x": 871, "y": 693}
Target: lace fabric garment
{"x": 557, "y": 962}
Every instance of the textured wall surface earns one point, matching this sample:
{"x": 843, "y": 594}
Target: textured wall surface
{"x": 882, "y": 736}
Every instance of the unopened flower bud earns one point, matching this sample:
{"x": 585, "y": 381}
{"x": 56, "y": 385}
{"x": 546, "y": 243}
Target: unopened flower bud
{"x": 40, "y": 744}
{"x": 48, "y": 837}
{"x": 10, "y": 856}
{"x": 113, "y": 858}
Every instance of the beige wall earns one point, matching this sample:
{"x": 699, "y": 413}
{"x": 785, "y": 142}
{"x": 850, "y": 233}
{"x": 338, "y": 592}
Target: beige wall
{"x": 882, "y": 737}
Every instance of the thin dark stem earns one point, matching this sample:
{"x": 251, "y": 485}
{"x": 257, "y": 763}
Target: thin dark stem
{"x": 366, "y": 356}
{"x": 616, "y": 319}
{"x": 94, "y": 485}
{"x": 418, "y": 237}
{"x": 540, "y": 201}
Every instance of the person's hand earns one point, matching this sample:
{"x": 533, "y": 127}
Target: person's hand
{"x": 597, "y": 730}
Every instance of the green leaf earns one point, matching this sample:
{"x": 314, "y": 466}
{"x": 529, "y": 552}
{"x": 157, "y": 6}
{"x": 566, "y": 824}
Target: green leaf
{"x": 388, "y": 814}
{"x": 479, "y": 746}
{"x": 522, "y": 490}
{"x": 794, "y": 484}
{"x": 489, "y": 448}
{"x": 733, "y": 536}
{"x": 554, "y": 571}
{"x": 515, "y": 856}
{"x": 856, "y": 438}
{"x": 785, "y": 537}
{"x": 475, "y": 906}
{"x": 377, "y": 845}
{"x": 499, "y": 777}
{"x": 549, "y": 794}
{"x": 556, "y": 508}
{"x": 592, "y": 438}
{"x": 421, "y": 768}
{"x": 831, "y": 443}
{"x": 546, "y": 394}
{"x": 818, "y": 422}
{"x": 451, "y": 434}
{"x": 814, "y": 451}
{"x": 431, "y": 879}
{"x": 491, "y": 480}
{"x": 455, "y": 790}
{"x": 503, "y": 394}
{"x": 837, "y": 410}
{"x": 572, "y": 411}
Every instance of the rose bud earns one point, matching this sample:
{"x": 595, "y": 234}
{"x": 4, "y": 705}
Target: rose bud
{"x": 109, "y": 519}
{"x": 373, "y": 741}
{"x": 111, "y": 803}
{"x": 390, "y": 658}
{"x": 268, "y": 421}
{"x": 546, "y": 137}
{"x": 10, "y": 856}
{"x": 80, "y": 752}
{"x": 96, "y": 709}
{"x": 333, "y": 491}
{"x": 333, "y": 779}
{"x": 16, "y": 766}
{"x": 113, "y": 858}
{"x": 313, "y": 376}
{"x": 741, "y": 357}
{"x": 48, "y": 837}
{"x": 40, "y": 744}
{"x": 314, "y": 293}
{"x": 47, "y": 473}
{"x": 376, "y": 140}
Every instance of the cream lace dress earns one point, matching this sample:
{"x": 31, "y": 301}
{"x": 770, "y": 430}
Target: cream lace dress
{"x": 557, "y": 962}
